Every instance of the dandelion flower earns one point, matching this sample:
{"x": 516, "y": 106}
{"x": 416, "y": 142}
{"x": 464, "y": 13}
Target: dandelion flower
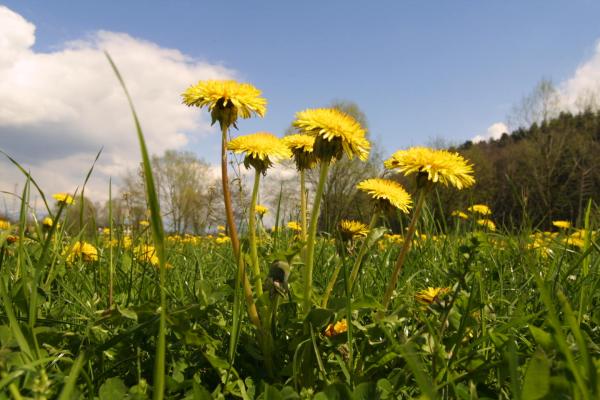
{"x": 226, "y": 100}
{"x": 220, "y": 228}
{"x": 261, "y": 210}
{"x": 480, "y": 209}
{"x": 63, "y": 198}
{"x": 146, "y": 253}
{"x": 353, "y": 229}
{"x": 82, "y": 250}
{"x": 47, "y": 222}
{"x": 459, "y": 214}
{"x": 335, "y": 132}
{"x": 431, "y": 295}
{"x": 562, "y": 224}
{"x": 336, "y": 329}
{"x": 261, "y": 148}
{"x": 302, "y": 148}
{"x": 387, "y": 192}
{"x": 222, "y": 240}
{"x": 4, "y": 225}
{"x": 294, "y": 226}
{"x": 438, "y": 165}
{"x": 487, "y": 223}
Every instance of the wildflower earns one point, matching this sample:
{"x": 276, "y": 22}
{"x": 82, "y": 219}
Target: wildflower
{"x": 220, "y": 228}
{"x": 293, "y": 225}
{"x": 4, "y": 225}
{"x": 480, "y": 209}
{"x": 336, "y": 329}
{"x": 47, "y": 222}
{"x": 353, "y": 229}
{"x": 63, "y": 198}
{"x": 222, "y": 240}
{"x": 562, "y": 224}
{"x": 335, "y": 132}
{"x": 146, "y": 253}
{"x": 387, "y": 192}
{"x": 431, "y": 295}
{"x": 144, "y": 223}
{"x": 459, "y": 214}
{"x": 487, "y": 223}
{"x": 226, "y": 100}
{"x": 261, "y": 148}
{"x": 302, "y": 148}
{"x": 261, "y": 210}
{"x": 82, "y": 250}
{"x": 436, "y": 165}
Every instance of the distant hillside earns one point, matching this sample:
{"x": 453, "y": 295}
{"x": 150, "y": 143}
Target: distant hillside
{"x": 539, "y": 174}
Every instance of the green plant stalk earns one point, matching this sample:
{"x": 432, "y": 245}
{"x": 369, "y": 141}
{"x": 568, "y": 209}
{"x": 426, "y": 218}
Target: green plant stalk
{"x": 111, "y": 266}
{"x": 387, "y": 297}
{"x": 331, "y": 283}
{"x": 303, "y": 195}
{"x": 363, "y": 250}
{"x": 312, "y": 234}
{"x": 252, "y": 235}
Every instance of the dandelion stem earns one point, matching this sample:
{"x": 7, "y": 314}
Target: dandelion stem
{"x": 312, "y": 234}
{"x": 303, "y": 198}
{"x": 363, "y": 249}
{"x": 252, "y": 235}
{"x": 405, "y": 247}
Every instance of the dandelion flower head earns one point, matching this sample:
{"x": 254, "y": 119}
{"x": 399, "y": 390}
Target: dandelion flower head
{"x": 438, "y": 165}
{"x": 261, "y": 210}
{"x": 562, "y": 224}
{"x": 352, "y": 229}
{"x": 83, "y": 250}
{"x": 431, "y": 294}
{"x": 387, "y": 192}
{"x": 63, "y": 198}
{"x": 302, "y": 147}
{"x": 261, "y": 149}
{"x": 480, "y": 209}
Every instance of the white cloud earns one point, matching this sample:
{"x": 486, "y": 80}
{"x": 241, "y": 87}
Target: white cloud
{"x": 59, "y": 108}
{"x": 494, "y": 131}
{"x": 582, "y": 90}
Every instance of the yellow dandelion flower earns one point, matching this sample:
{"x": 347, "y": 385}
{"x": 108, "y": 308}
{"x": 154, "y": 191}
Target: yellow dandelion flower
{"x": 144, "y": 223}
{"x": 438, "y": 165}
{"x": 336, "y": 329}
{"x": 4, "y": 225}
{"x": 294, "y": 226}
{"x": 220, "y": 228}
{"x": 353, "y": 229}
{"x": 562, "y": 224}
{"x": 261, "y": 210}
{"x": 387, "y": 192}
{"x": 302, "y": 148}
{"x": 431, "y": 295}
{"x": 226, "y": 100}
{"x": 335, "y": 132}
{"x": 146, "y": 253}
{"x": 82, "y": 250}
{"x": 480, "y": 209}
{"x": 261, "y": 148}
{"x": 459, "y": 214}
{"x": 63, "y": 198}
{"x": 222, "y": 240}
{"x": 487, "y": 223}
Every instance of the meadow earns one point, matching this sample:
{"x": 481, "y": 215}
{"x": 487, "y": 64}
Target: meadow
{"x": 460, "y": 310}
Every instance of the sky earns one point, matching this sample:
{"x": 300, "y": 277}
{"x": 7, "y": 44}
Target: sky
{"x": 420, "y": 70}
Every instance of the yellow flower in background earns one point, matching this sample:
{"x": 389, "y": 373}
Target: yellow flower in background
{"x": 242, "y": 99}
{"x": 439, "y": 166}
{"x": 302, "y": 148}
{"x": 63, "y": 198}
{"x": 222, "y": 240}
{"x": 387, "y": 191}
{"x": 431, "y": 295}
{"x": 336, "y": 329}
{"x": 334, "y": 132}
{"x": 146, "y": 253}
{"x": 352, "y": 229}
{"x": 459, "y": 214}
{"x": 82, "y": 250}
{"x": 487, "y": 223}
{"x": 220, "y": 228}
{"x": 295, "y": 226}
{"x": 562, "y": 224}
{"x": 144, "y": 223}
{"x": 480, "y": 209}
{"x": 261, "y": 149}
{"x": 261, "y": 210}
{"x": 4, "y": 225}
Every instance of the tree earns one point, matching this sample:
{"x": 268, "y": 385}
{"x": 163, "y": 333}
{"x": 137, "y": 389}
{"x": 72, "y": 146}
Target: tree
{"x": 542, "y": 104}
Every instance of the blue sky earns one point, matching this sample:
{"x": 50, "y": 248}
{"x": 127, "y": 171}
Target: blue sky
{"x": 420, "y": 70}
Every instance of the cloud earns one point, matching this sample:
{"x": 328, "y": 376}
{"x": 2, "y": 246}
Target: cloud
{"x": 582, "y": 90}
{"x": 59, "y": 108}
{"x": 494, "y": 131}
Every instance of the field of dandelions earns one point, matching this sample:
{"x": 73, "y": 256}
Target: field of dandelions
{"x": 465, "y": 311}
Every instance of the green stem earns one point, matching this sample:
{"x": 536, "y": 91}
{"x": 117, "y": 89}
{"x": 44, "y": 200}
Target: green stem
{"x": 405, "y": 247}
{"x": 303, "y": 196}
{"x": 331, "y": 284}
{"x": 312, "y": 234}
{"x": 252, "y": 236}
{"x": 363, "y": 249}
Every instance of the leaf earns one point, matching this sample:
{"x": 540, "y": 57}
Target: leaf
{"x": 365, "y": 391}
{"x": 537, "y": 378}
{"x": 112, "y": 389}
{"x": 128, "y": 313}
{"x": 541, "y": 337}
